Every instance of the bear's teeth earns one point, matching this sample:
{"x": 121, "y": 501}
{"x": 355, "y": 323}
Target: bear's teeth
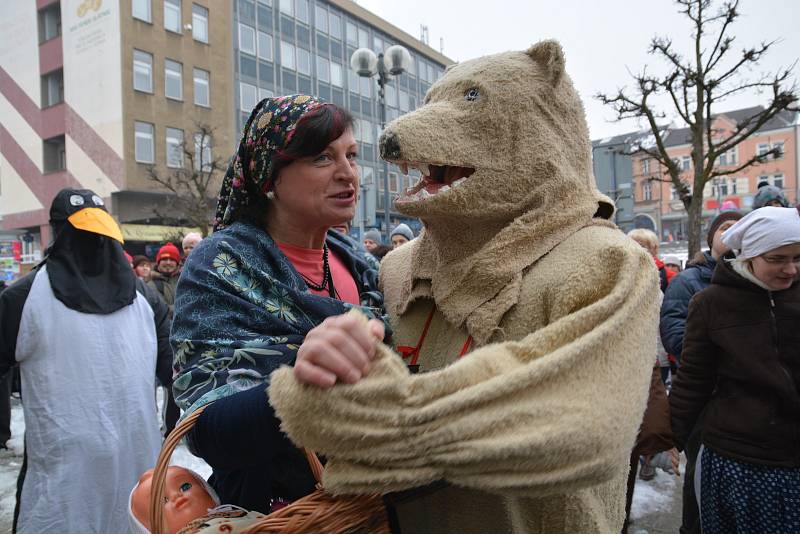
{"x": 444, "y": 188}
{"x": 459, "y": 182}
{"x": 424, "y": 193}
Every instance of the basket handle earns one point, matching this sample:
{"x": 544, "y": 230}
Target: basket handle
{"x": 158, "y": 483}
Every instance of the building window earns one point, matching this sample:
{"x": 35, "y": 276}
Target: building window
{"x": 303, "y": 61}
{"x": 265, "y": 46}
{"x": 142, "y": 71}
{"x": 287, "y": 55}
{"x": 199, "y": 23}
{"x": 403, "y": 104}
{"x": 173, "y": 79}
{"x": 729, "y": 157}
{"x": 742, "y": 186}
{"x": 378, "y": 44}
{"x": 366, "y": 86}
{"x": 201, "y": 88}
{"x": 762, "y": 149}
{"x": 141, "y": 10}
{"x": 248, "y": 95}
{"x": 673, "y": 193}
{"x": 321, "y": 18}
{"x": 287, "y": 7}
{"x": 352, "y": 34}
{"x": 202, "y": 152}
{"x": 686, "y": 163}
{"x": 144, "y": 147}
{"x": 323, "y": 69}
{"x": 647, "y": 190}
{"x": 335, "y": 26}
{"x": 779, "y": 146}
{"x": 172, "y": 15}
{"x": 391, "y": 96}
{"x": 366, "y": 131}
{"x": 777, "y": 180}
{"x": 247, "y": 39}
{"x": 53, "y": 88}
{"x": 174, "y": 148}
{"x": 49, "y": 23}
{"x": 645, "y": 167}
{"x": 363, "y": 38}
{"x": 54, "y": 154}
{"x": 336, "y": 74}
{"x": 301, "y": 7}
{"x": 393, "y": 182}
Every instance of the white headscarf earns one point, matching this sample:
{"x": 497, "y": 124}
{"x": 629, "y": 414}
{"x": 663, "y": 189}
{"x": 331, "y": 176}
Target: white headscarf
{"x": 763, "y": 230}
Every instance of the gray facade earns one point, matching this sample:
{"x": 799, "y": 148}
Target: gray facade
{"x": 304, "y": 46}
{"x": 613, "y": 173}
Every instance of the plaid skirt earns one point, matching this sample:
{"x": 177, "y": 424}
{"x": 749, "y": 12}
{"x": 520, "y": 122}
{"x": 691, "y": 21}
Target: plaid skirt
{"x": 742, "y": 498}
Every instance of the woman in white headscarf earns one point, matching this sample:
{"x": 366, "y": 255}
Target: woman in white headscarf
{"x": 741, "y": 365}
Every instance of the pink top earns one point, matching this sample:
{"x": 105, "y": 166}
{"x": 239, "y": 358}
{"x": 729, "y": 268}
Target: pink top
{"x": 308, "y": 262}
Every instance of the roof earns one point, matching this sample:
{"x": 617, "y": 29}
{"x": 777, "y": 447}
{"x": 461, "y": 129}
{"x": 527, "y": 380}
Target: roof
{"x": 404, "y": 38}
{"x": 783, "y": 119}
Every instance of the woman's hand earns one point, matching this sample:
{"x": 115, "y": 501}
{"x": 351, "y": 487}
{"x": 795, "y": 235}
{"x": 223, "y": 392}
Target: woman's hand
{"x": 339, "y": 349}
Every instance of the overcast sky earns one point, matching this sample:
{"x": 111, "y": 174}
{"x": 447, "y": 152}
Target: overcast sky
{"x": 602, "y": 40}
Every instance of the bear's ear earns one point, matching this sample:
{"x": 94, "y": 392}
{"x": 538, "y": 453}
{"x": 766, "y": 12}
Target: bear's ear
{"x": 551, "y": 58}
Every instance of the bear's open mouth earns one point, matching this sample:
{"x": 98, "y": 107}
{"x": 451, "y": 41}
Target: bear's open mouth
{"x": 435, "y": 178}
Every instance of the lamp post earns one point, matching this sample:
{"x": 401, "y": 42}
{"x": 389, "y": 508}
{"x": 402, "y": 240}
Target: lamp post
{"x": 367, "y": 64}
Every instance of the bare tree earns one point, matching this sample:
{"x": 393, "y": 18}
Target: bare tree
{"x": 194, "y": 185}
{"x": 694, "y": 86}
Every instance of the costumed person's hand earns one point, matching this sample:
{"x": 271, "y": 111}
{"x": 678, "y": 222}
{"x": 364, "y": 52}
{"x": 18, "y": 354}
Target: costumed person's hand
{"x": 340, "y": 349}
{"x": 675, "y": 457}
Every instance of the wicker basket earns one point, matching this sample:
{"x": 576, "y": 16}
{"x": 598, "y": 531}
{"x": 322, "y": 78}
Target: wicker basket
{"x": 317, "y": 512}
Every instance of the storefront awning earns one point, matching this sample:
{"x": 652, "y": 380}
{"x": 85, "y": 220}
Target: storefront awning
{"x": 153, "y": 232}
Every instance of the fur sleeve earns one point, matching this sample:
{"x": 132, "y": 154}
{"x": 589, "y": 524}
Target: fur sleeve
{"x": 557, "y": 410}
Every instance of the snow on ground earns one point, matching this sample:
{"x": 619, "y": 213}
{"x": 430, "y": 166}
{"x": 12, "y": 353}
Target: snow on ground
{"x": 656, "y": 495}
{"x": 11, "y": 462}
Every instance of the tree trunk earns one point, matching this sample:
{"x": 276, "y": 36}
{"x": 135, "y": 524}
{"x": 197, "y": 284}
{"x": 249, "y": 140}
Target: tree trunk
{"x": 695, "y": 214}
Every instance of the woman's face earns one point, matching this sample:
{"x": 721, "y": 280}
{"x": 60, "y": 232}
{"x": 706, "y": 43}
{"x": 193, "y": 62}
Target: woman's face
{"x": 398, "y": 240}
{"x": 778, "y": 268}
{"x": 143, "y": 270}
{"x": 322, "y": 190}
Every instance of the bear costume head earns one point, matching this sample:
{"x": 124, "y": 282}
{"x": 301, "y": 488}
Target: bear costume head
{"x": 504, "y": 150}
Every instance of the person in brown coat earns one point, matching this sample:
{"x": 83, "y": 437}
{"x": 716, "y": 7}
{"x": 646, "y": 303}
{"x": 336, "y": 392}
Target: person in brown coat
{"x": 741, "y": 365}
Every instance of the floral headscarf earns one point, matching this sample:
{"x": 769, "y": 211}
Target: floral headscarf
{"x": 270, "y": 128}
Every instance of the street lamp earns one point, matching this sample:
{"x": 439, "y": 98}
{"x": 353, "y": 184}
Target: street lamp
{"x": 367, "y": 64}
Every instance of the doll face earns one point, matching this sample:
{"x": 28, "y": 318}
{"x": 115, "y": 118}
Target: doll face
{"x": 185, "y": 499}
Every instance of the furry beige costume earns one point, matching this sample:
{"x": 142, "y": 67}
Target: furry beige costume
{"x": 532, "y": 430}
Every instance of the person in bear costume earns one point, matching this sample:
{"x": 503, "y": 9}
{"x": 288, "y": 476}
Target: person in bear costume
{"x": 530, "y": 317}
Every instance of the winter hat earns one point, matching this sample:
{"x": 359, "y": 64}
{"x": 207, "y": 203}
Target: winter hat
{"x": 403, "y": 230}
{"x": 717, "y": 222}
{"x": 138, "y": 260}
{"x": 768, "y": 193}
{"x": 373, "y": 235}
{"x": 763, "y": 230}
{"x": 671, "y": 259}
{"x": 168, "y": 251}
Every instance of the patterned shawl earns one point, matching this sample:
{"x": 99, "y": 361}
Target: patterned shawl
{"x": 269, "y": 129}
{"x": 242, "y": 310}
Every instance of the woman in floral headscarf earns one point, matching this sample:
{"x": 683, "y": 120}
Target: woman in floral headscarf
{"x": 251, "y": 292}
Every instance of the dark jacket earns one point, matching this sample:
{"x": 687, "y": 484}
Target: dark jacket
{"x": 675, "y": 307}
{"x": 741, "y": 362}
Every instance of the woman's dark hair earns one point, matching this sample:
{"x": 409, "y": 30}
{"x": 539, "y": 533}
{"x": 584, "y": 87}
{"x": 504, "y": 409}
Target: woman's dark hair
{"x": 313, "y": 133}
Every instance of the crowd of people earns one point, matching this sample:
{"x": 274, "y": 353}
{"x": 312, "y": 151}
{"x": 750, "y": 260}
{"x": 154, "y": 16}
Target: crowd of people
{"x": 272, "y": 286}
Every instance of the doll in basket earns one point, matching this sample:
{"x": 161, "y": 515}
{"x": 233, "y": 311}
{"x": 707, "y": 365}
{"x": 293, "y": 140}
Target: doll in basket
{"x": 191, "y": 506}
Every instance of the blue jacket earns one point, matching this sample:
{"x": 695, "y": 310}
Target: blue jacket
{"x": 675, "y": 307}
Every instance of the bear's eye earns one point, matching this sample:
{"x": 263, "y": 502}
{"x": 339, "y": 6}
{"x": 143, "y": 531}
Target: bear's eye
{"x": 472, "y": 95}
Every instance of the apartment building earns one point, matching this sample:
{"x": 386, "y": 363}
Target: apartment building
{"x": 305, "y": 46}
{"x": 659, "y": 199}
{"x": 95, "y": 92}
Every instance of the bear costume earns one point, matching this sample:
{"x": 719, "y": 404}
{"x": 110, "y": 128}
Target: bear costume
{"x": 518, "y": 268}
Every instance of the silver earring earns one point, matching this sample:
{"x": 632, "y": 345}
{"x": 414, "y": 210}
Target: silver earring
{"x": 270, "y": 195}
